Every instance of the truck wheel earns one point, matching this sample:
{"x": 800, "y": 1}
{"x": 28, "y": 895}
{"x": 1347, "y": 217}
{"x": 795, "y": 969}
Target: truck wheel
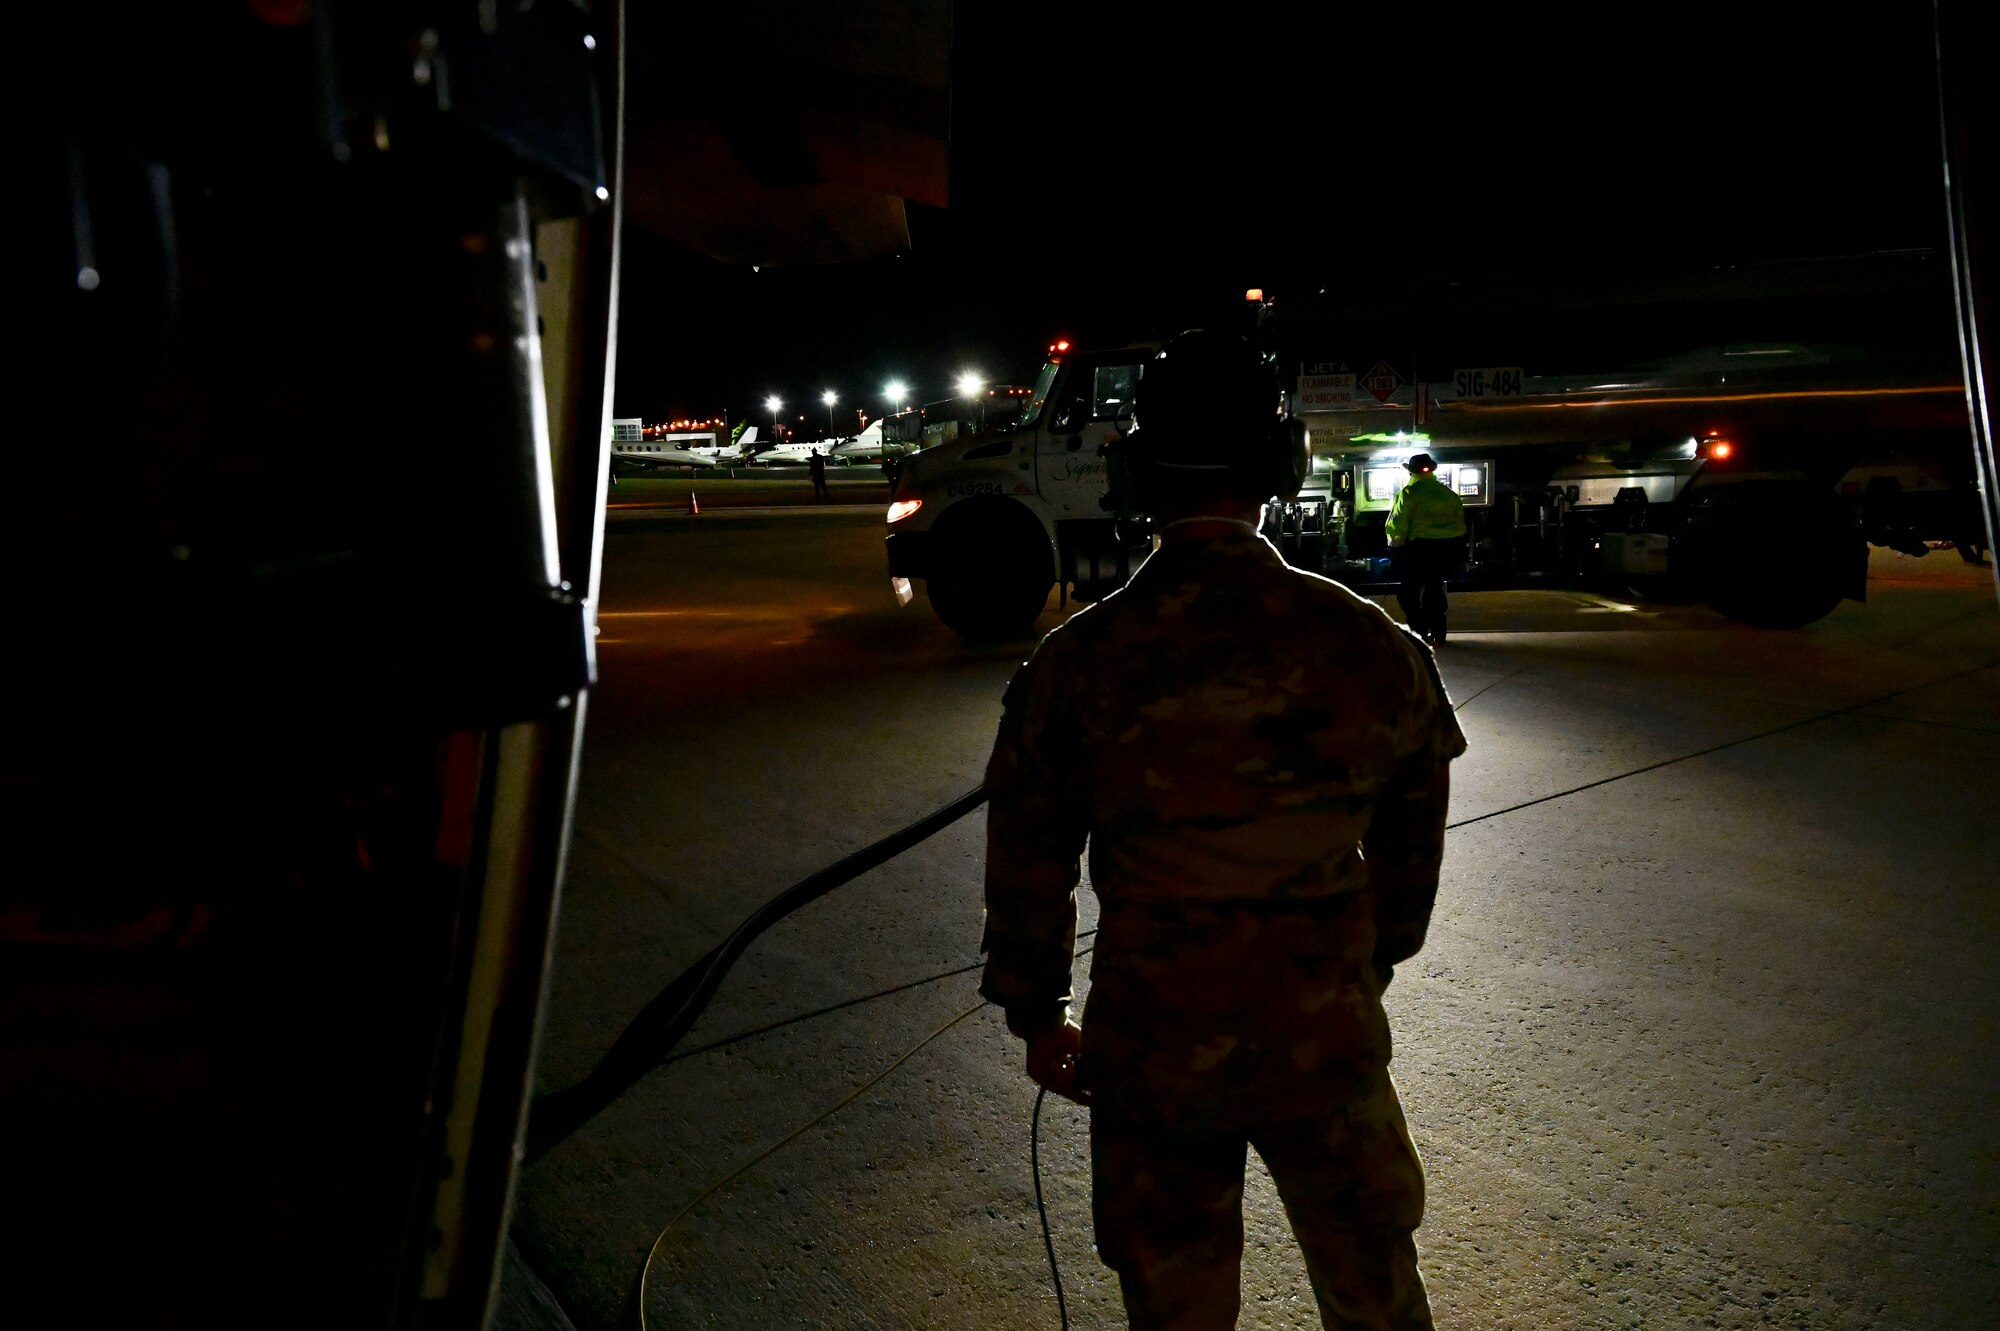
{"x": 992, "y": 575}
{"x": 1769, "y": 605}
{"x": 1778, "y": 568}
{"x": 1660, "y": 588}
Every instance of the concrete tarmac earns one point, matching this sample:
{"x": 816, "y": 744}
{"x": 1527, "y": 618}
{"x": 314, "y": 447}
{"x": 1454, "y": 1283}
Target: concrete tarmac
{"x": 1704, "y": 1034}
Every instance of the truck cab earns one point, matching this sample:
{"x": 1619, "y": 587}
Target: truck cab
{"x": 991, "y": 521}
{"x": 994, "y": 520}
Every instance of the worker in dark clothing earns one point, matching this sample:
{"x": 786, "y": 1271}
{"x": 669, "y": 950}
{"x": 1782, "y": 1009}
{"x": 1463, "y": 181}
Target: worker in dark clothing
{"x": 1257, "y": 760}
{"x": 1427, "y": 544}
{"x": 816, "y": 468}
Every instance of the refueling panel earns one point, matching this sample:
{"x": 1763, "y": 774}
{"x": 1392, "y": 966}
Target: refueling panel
{"x": 1382, "y": 479}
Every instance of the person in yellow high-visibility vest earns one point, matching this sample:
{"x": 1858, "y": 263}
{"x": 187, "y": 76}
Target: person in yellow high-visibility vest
{"x": 1427, "y": 543}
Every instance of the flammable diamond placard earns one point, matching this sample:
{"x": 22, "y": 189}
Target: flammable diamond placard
{"x": 1382, "y": 381}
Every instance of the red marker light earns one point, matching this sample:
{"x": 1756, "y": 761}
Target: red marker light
{"x": 1720, "y": 449}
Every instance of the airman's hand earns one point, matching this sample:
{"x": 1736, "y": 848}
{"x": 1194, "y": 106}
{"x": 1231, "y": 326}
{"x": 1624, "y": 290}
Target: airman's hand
{"x": 1055, "y": 1061}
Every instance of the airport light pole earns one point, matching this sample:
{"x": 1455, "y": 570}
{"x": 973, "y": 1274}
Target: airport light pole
{"x": 969, "y": 385}
{"x": 774, "y": 402}
{"x": 829, "y": 397}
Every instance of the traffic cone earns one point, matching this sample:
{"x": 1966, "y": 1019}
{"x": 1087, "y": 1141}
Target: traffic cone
{"x": 694, "y": 506}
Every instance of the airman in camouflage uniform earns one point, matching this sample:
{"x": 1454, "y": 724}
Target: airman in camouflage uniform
{"x": 1257, "y": 760}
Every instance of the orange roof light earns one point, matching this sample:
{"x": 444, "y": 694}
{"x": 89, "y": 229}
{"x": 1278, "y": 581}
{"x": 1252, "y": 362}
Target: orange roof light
{"x": 1254, "y": 293}
{"x": 1721, "y": 448}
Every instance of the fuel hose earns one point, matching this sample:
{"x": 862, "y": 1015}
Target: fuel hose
{"x": 650, "y": 1037}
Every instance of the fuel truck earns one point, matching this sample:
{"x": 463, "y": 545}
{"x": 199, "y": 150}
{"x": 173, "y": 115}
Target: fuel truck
{"x": 1736, "y": 436}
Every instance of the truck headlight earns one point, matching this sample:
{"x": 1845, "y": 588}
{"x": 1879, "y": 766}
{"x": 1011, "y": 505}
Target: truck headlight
{"x": 902, "y": 508}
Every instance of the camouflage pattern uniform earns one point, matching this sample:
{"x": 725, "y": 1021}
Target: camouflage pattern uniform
{"x": 1258, "y": 760}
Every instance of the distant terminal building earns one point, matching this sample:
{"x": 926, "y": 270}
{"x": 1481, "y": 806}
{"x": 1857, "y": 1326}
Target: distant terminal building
{"x": 632, "y": 438}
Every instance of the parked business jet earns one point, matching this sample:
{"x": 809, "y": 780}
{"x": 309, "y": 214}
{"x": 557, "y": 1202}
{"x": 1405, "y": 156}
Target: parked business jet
{"x": 671, "y": 451}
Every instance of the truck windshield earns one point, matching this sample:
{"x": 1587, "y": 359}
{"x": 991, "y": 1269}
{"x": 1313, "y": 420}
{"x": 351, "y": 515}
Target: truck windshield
{"x": 1039, "y": 397}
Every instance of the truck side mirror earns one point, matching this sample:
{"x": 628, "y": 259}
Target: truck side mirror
{"x": 1072, "y": 415}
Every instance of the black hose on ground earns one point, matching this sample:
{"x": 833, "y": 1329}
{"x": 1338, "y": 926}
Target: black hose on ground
{"x": 1042, "y": 1208}
{"x": 661, "y": 1024}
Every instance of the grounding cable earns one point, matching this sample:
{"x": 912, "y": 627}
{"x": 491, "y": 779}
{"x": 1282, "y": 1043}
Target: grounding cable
{"x": 639, "y": 1299}
{"x": 1718, "y": 748}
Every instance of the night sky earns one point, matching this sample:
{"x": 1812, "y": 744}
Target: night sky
{"x": 1120, "y": 172}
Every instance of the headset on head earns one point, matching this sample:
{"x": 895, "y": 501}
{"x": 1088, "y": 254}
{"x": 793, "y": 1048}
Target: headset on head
{"x": 1208, "y": 404}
